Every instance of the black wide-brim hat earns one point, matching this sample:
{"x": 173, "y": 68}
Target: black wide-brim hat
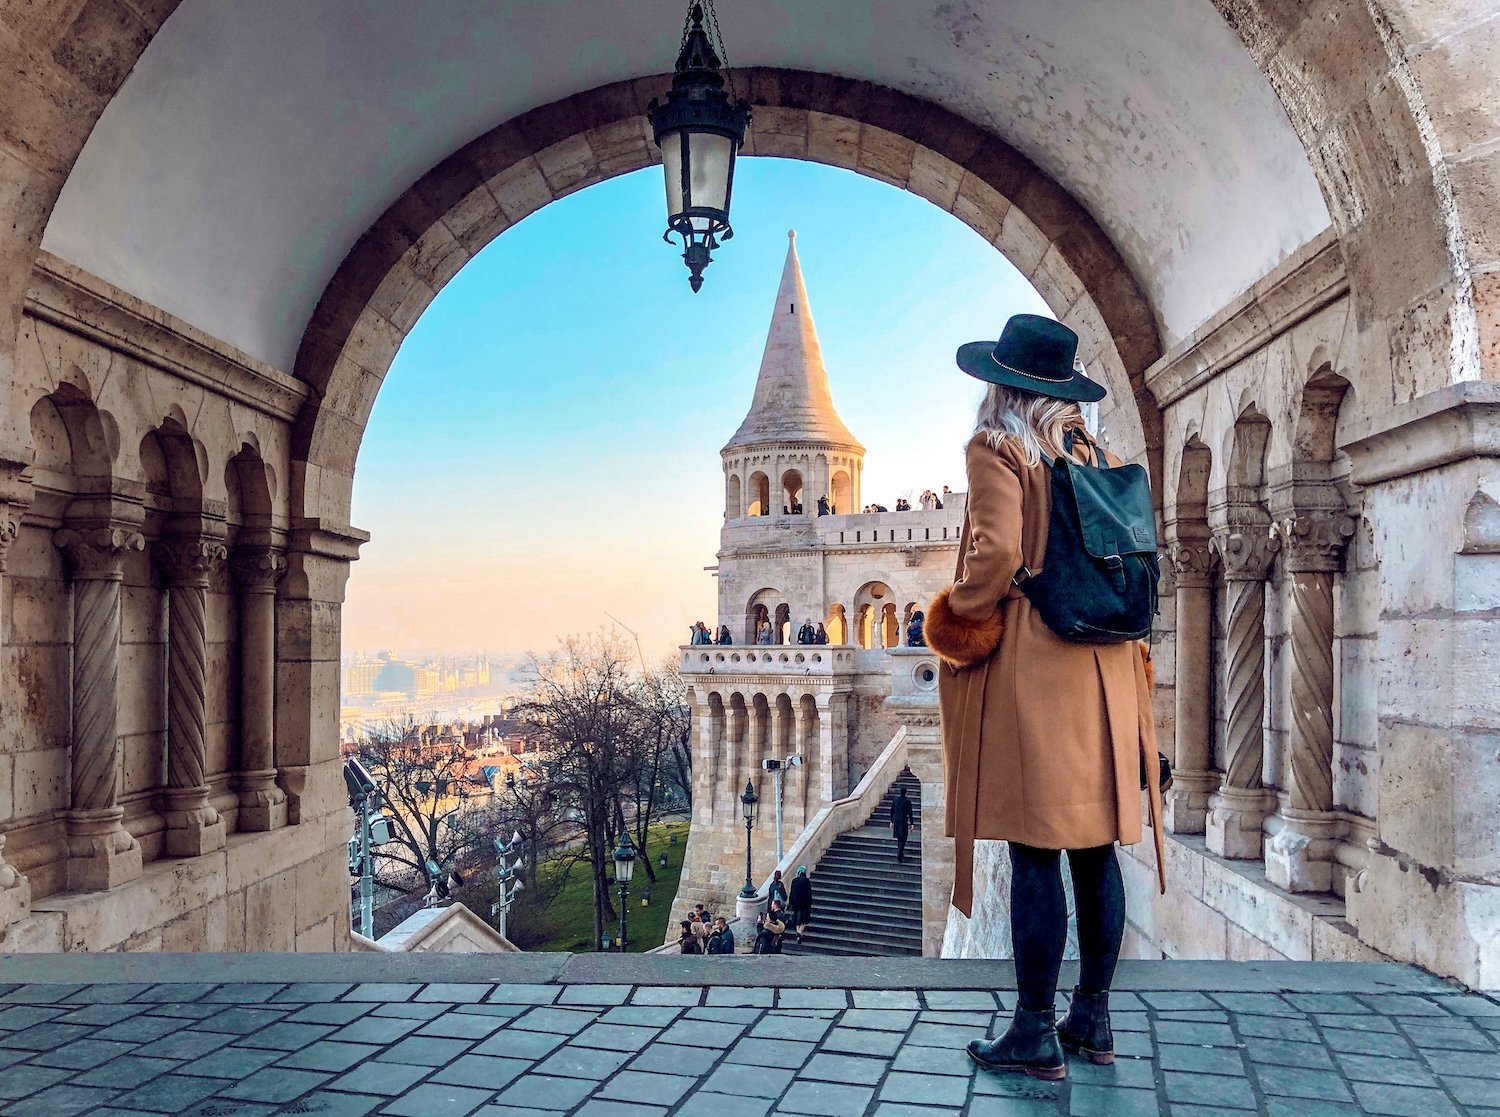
{"x": 1034, "y": 354}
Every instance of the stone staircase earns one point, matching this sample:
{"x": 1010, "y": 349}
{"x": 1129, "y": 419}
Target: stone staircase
{"x": 864, "y": 903}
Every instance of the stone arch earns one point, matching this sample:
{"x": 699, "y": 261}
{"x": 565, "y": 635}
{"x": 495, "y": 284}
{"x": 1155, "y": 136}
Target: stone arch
{"x": 1249, "y": 441}
{"x": 758, "y": 495}
{"x": 70, "y": 436}
{"x": 793, "y": 498}
{"x": 843, "y": 492}
{"x": 169, "y": 462}
{"x": 426, "y": 236}
{"x": 734, "y": 507}
{"x": 251, "y": 488}
{"x": 1191, "y": 496}
{"x": 836, "y": 624}
{"x": 763, "y": 605}
{"x": 1317, "y": 414}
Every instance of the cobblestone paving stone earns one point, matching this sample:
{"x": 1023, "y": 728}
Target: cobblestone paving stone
{"x": 475, "y": 1050}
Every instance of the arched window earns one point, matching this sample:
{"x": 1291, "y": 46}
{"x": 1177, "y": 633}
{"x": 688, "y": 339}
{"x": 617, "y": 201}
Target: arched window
{"x": 837, "y": 626}
{"x": 875, "y": 616}
{"x": 783, "y": 623}
{"x": 760, "y": 495}
{"x": 791, "y": 493}
{"x": 733, "y": 509}
{"x": 843, "y": 493}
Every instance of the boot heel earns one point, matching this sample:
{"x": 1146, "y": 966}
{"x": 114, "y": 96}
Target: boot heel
{"x": 1048, "y": 1074}
{"x": 1098, "y": 1058}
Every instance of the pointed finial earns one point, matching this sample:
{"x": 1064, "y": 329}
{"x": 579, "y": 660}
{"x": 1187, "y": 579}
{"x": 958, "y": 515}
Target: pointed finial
{"x": 791, "y": 234}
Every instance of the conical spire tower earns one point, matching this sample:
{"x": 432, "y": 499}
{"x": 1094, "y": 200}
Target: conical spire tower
{"x": 792, "y": 399}
{"x": 792, "y": 455}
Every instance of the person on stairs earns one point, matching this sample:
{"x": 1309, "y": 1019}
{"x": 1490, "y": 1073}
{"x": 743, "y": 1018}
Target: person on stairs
{"x": 901, "y": 812}
{"x": 800, "y": 904}
{"x": 1044, "y": 738}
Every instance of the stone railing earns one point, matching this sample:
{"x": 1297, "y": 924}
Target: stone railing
{"x": 838, "y": 817}
{"x": 770, "y": 659}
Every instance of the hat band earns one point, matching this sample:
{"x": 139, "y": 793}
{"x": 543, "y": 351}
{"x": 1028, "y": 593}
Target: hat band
{"x": 1030, "y": 375}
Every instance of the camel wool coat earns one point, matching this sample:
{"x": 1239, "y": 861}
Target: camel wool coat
{"x": 1043, "y": 738}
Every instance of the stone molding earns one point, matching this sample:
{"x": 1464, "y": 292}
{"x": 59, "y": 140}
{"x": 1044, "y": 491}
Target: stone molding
{"x": 258, "y": 569}
{"x": 74, "y": 300}
{"x": 1192, "y": 562}
{"x": 188, "y": 562}
{"x": 1436, "y": 429}
{"x": 325, "y": 538}
{"x": 1304, "y": 283}
{"x": 1245, "y": 553}
{"x": 1313, "y": 542}
{"x": 98, "y": 554}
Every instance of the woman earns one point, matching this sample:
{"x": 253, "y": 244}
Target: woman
{"x": 821, "y": 636}
{"x": 1043, "y": 738}
{"x": 799, "y": 904}
{"x": 914, "y": 637}
{"x": 724, "y": 636}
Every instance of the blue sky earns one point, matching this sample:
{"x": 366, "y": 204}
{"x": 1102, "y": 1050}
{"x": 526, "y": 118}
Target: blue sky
{"x": 545, "y": 449}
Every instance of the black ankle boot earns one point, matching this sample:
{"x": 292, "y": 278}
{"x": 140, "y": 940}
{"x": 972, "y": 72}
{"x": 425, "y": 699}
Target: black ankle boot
{"x": 1029, "y": 1046}
{"x": 1085, "y": 1029}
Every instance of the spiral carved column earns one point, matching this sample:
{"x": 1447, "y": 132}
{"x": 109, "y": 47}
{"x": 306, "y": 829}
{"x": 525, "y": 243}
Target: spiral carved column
{"x": 1239, "y": 807}
{"x": 1300, "y": 857}
{"x": 15, "y": 889}
{"x": 1185, "y": 806}
{"x": 262, "y": 802}
{"x": 101, "y": 852}
{"x": 193, "y": 826}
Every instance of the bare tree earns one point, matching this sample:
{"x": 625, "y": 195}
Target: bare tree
{"x": 442, "y": 813}
{"x": 583, "y": 709}
{"x": 657, "y": 751}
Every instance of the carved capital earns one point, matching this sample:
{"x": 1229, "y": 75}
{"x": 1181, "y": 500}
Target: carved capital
{"x": 258, "y": 568}
{"x": 1246, "y": 552}
{"x": 98, "y": 553}
{"x": 188, "y": 561}
{"x": 10, "y": 527}
{"x": 1192, "y": 562}
{"x": 1314, "y": 542}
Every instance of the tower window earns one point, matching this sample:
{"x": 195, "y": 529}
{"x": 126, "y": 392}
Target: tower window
{"x": 791, "y": 308}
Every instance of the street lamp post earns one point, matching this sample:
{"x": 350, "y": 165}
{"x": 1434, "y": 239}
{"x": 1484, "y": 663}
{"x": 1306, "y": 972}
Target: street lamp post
{"x": 747, "y": 804}
{"x": 364, "y": 797}
{"x": 778, "y": 768}
{"x": 624, "y": 870}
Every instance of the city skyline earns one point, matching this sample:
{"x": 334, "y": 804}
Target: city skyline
{"x": 544, "y": 456}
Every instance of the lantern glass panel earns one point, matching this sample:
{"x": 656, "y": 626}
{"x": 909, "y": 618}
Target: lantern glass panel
{"x": 671, "y": 161}
{"x": 624, "y": 868}
{"x": 709, "y": 170}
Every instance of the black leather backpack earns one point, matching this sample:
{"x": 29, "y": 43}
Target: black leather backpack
{"x": 1098, "y": 580}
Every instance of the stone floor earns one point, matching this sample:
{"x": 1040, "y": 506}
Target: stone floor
{"x": 346, "y": 1035}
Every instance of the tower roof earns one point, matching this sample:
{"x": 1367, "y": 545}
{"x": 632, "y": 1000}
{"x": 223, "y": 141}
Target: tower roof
{"x": 792, "y": 401}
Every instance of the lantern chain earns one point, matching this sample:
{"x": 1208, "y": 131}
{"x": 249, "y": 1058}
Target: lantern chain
{"x": 713, "y": 20}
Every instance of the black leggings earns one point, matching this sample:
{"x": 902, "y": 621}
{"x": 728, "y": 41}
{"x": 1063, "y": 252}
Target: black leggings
{"x": 1039, "y": 919}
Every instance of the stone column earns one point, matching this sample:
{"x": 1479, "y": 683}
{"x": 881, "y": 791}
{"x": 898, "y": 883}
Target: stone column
{"x": 833, "y": 744}
{"x": 101, "y": 852}
{"x": 1185, "y": 807}
{"x": 193, "y": 826}
{"x": 15, "y": 889}
{"x": 1300, "y": 857}
{"x": 262, "y": 802}
{"x": 1239, "y": 807}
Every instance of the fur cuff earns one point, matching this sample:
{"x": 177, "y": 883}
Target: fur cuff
{"x": 1150, "y": 667}
{"x": 960, "y": 642}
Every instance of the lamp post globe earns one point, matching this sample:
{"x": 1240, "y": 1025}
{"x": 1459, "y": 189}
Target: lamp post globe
{"x": 624, "y": 870}
{"x": 699, "y": 129}
{"x": 748, "y": 802}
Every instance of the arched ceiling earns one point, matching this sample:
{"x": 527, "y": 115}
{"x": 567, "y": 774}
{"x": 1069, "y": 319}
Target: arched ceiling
{"x": 254, "y": 142}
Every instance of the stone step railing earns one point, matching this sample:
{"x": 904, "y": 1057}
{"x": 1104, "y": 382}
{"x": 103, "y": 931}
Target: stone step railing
{"x": 838, "y": 817}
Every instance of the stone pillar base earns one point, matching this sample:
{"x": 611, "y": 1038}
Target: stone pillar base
{"x": 1299, "y": 858}
{"x": 101, "y": 853}
{"x": 1185, "y": 806}
{"x": 262, "y": 803}
{"x": 1233, "y": 826}
{"x": 193, "y": 827}
{"x": 15, "y": 893}
{"x": 748, "y": 908}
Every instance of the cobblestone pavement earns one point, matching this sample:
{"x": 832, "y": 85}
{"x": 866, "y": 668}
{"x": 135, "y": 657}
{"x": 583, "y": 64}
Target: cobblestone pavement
{"x": 344, "y": 1049}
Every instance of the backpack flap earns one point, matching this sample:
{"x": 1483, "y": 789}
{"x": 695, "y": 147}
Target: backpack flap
{"x": 1114, "y": 510}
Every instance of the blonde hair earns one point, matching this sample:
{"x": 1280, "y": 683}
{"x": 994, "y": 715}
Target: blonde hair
{"x": 1036, "y": 422}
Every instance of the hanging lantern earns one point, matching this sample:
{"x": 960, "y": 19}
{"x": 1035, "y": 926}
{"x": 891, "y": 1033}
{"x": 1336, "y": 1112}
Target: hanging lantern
{"x": 699, "y": 129}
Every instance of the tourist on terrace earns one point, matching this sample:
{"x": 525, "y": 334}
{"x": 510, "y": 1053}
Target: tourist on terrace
{"x": 687, "y": 941}
{"x": 725, "y": 637}
{"x": 1043, "y": 737}
{"x": 903, "y": 505}
{"x": 928, "y": 500}
{"x": 721, "y": 941}
{"x": 799, "y": 906}
{"x": 914, "y": 636}
{"x": 701, "y": 634}
{"x": 806, "y": 633}
{"x": 821, "y": 636}
{"x": 823, "y": 506}
{"x": 763, "y": 632}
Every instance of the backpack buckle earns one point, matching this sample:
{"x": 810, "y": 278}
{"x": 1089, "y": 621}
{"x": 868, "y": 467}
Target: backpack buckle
{"x": 1022, "y": 575}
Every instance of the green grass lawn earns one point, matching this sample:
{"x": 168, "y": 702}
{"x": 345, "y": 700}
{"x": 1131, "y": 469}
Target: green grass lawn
{"x": 567, "y": 923}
